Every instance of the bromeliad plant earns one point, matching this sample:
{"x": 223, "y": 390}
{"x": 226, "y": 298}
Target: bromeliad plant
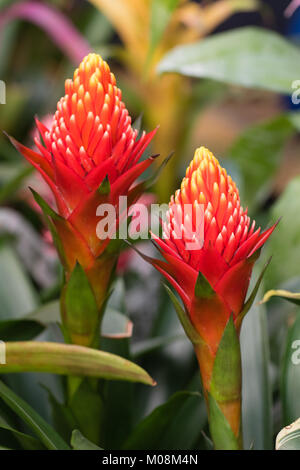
{"x": 212, "y": 281}
{"x": 89, "y": 156}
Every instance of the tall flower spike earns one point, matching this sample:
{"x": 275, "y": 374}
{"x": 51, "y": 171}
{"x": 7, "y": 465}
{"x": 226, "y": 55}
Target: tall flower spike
{"x": 90, "y": 155}
{"x": 212, "y": 280}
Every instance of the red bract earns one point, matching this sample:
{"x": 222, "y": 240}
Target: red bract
{"x": 91, "y": 138}
{"x": 231, "y": 246}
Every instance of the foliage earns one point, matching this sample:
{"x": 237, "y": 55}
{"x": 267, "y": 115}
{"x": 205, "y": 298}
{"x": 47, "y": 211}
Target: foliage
{"x": 170, "y": 60}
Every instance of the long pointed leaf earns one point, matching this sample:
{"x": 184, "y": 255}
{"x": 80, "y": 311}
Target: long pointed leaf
{"x": 187, "y": 325}
{"x": 226, "y": 377}
{"x": 27, "y": 442}
{"x": 224, "y": 439}
{"x": 248, "y": 304}
{"x": 290, "y": 376}
{"x": 256, "y": 389}
{"x": 153, "y": 431}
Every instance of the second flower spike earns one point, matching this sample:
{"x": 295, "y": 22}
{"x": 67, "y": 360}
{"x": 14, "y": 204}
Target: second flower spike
{"x": 212, "y": 278}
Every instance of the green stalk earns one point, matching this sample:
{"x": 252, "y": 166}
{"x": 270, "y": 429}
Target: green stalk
{"x": 221, "y": 376}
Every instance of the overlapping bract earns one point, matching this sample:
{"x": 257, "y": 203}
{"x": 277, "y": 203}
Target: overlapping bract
{"x": 91, "y": 139}
{"x": 231, "y": 246}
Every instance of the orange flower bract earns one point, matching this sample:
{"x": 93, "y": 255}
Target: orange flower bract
{"x": 90, "y": 155}
{"x": 91, "y": 138}
{"x": 212, "y": 279}
{"x": 231, "y": 246}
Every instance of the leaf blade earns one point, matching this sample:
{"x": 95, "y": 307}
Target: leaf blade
{"x": 256, "y": 387}
{"x": 290, "y": 376}
{"x": 226, "y": 376}
{"x": 245, "y": 56}
{"x": 69, "y": 359}
{"x": 151, "y": 433}
{"x": 41, "y": 428}
{"x": 224, "y": 438}
{"x": 293, "y": 297}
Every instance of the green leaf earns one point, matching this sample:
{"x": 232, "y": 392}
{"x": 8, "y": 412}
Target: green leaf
{"x": 203, "y": 288}
{"x": 295, "y": 119}
{"x": 19, "y": 330}
{"x": 104, "y": 188}
{"x": 98, "y": 30}
{"x": 79, "y": 442}
{"x": 150, "y": 182}
{"x": 289, "y": 437}
{"x": 114, "y": 324}
{"x": 188, "y": 327}
{"x": 250, "y": 56}
{"x": 137, "y": 125}
{"x": 226, "y": 376}
{"x": 153, "y": 432}
{"x": 47, "y": 313}
{"x": 79, "y": 308}
{"x": 257, "y": 153}
{"x": 61, "y": 415}
{"x": 119, "y": 401}
{"x": 43, "y": 431}
{"x": 248, "y": 304}
{"x": 30, "y": 386}
{"x": 174, "y": 365}
{"x": 46, "y": 209}
{"x": 153, "y": 344}
{"x": 223, "y": 436}
{"x": 9, "y": 36}
{"x": 12, "y": 280}
{"x": 50, "y": 217}
{"x": 290, "y": 378}
{"x": 284, "y": 245}
{"x": 69, "y": 359}
{"x": 283, "y": 294}
{"x": 256, "y": 386}
{"x": 87, "y": 408}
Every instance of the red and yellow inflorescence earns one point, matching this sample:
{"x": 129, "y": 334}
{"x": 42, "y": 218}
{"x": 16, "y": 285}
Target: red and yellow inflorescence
{"x": 90, "y": 155}
{"x": 212, "y": 277}
{"x": 91, "y": 138}
{"x": 231, "y": 246}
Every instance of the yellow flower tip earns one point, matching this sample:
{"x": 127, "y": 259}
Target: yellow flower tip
{"x": 91, "y": 125}
{"x": 207, "y": 181}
